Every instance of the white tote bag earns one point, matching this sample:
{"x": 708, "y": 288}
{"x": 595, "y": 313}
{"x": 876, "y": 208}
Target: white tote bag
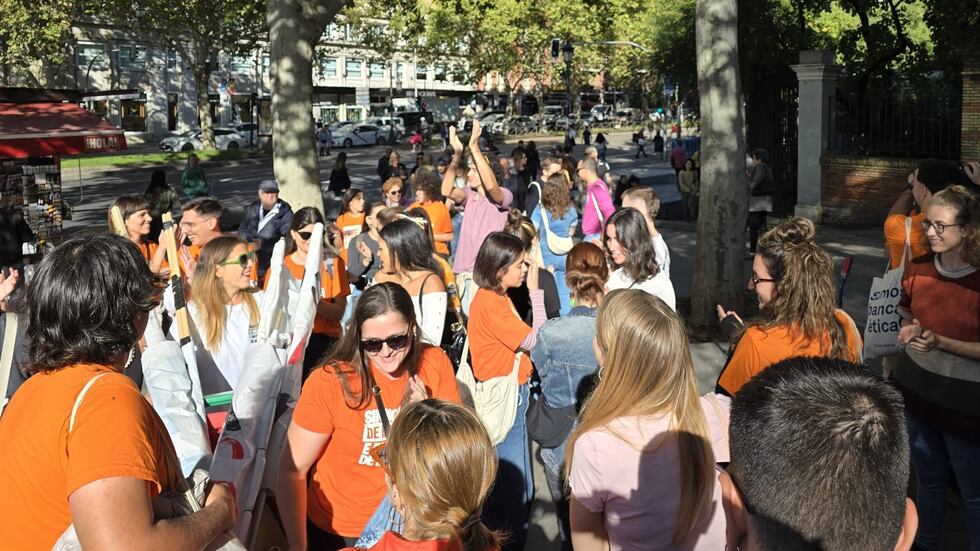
{"x": 881, "y": 330}
{"x": 495, "y": 400}
{"x": 556, "y": 244}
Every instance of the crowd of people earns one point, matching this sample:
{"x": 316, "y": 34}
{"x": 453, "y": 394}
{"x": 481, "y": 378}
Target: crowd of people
{"x": 483, "y": 303}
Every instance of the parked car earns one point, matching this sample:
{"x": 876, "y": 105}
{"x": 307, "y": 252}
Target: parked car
{"x": 486, "y": 118}
{"x": 386, "y": 122}
{"x": 600, "y": 112}
{"x": 249, "y": 131}
{"x": 515, "y": 125}
{"x": 360, "y": 134}
{"x": 224, "y": 138}
{"x": 334, "y": 126}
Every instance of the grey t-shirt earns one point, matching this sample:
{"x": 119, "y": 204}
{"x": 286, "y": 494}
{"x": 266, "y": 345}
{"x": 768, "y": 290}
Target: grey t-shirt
{"x": 361, "y": 275}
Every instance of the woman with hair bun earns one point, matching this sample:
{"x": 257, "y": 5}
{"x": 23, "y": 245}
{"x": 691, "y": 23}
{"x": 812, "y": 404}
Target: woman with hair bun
{"x": 795, "y": 283}
{"x": 439, "y": 466}
{"x": 565, "y": 360}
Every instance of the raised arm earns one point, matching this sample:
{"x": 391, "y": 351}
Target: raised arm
{"x": 458, "y": 196}
{"x": 490, "y": 184}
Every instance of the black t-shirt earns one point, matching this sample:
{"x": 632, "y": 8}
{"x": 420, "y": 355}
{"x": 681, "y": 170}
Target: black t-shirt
{"x": 522, "y": 298}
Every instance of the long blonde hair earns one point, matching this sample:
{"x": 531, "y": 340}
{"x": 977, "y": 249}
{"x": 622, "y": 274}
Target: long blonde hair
{"x": 805, "y": 297}
{"x": 209, "y": 294}
{"x": 444, "y": 465}
{"x": 647, "y": 370}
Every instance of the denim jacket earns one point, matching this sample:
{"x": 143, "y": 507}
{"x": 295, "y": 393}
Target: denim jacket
{"x": 563, "y": 356}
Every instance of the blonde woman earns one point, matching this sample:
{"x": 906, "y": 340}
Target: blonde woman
{"x": 137, "y": 222}
{"x": 439, "y": 467}
{"x": 642, "y": 460}
{"x": 796, "y": 285}
{"x": 225, "y": 311}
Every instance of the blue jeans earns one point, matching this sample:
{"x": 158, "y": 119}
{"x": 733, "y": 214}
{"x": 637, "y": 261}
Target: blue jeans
{"x": 509, "y": 505}
{"x": 932, "y": 452}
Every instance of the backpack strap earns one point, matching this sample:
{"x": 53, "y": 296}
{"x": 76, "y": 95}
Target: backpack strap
{"x": 78, "y": 401}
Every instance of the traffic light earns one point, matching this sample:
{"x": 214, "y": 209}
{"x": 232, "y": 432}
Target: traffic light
{"x": 555, "y": 47}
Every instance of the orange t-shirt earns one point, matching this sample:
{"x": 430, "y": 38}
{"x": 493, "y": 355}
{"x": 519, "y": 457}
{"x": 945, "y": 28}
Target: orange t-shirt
{"x": 496, "y": 332}
{"x": 117, "y": 434}
{"x": 195, "y": 252}
{"x": 334, "y": 284}
{"x": 758, "y": 349}
{"x": 440, "y": 219}
{"x": 347, "y": 484}
{"x": 895, "y": 238}
{"x": 350, "y": 226}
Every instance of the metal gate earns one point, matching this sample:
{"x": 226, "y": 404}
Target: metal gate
{"x": 771, "y": 124}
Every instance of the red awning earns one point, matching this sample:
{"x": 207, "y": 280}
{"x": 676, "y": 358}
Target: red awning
{"x": 47, "y": 129}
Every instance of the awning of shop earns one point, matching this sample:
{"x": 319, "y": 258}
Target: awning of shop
{"x": 43, "y": 129}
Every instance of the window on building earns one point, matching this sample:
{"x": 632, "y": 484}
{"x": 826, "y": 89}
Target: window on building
{"x": 171, "y": 59}
{"x": 376, "y": 70}
{"x": 352, "y": 69}
{"x": 241, "y": 64}
{"x": 399, "y": 71}
{"x": 328, "y": 67}
{"x": 132, "y": 58}
{"x": 336, "y": 33}
{"x": 133, "y": 114}
{"x": 267, "y": 62}
{"x": 421, "y": 72}
{"x": 440, "y": 72}
{"x": 92, "y": 55}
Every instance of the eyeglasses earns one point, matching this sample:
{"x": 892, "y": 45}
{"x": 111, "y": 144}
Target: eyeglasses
{"x": 379, "y": 454}
{"x": 938, "y": 226}
{"x": 185, "y": 224}
{"x": 757, "y": 280}
{"x": 305, "y": 235}
{"x": 394, "y": 342}
{"x": 242, "y": 260}
{"x": 395, "y": 192}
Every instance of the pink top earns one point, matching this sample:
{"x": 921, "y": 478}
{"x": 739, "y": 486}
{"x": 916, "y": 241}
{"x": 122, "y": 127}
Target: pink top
{"x": 481, "y": 217}
{"x": 678, "y": 155}
{"x": 638, "y": 492}
{"x": 591, "y": 224}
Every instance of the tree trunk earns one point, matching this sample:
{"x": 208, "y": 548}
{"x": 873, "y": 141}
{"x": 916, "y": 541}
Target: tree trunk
{"x": 295, "y": 26}
{"x": 721, "y": 241}
{"x": 201, "y": 77}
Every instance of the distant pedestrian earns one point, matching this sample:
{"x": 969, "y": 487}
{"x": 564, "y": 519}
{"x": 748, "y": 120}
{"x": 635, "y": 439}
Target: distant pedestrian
{"x": 265, "y": 221}
{"x": 690, "y": 188}
{"x": 339, "y": 178}
{"x": 192, "y": 180}
{"x": 601, "y": 144}
{"x": 383, "y": 162}
{"x": 640, "y": 145}
{"x": 761, "y": 190}
{"x": 570, "y": 136}
{"x": 677, "y": 157}
{"x": 324, "y": 138}
{"x": 587, "y": 136}
{"x": 658, "y": 146}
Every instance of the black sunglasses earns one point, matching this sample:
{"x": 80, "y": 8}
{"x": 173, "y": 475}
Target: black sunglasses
{"x": 394, "y": 342}
{"x": 305, "y": 235}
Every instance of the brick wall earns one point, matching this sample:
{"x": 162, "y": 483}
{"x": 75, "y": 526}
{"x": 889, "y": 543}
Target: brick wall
{"x": 860, "y": 190}
{"x": 970, "y": 129}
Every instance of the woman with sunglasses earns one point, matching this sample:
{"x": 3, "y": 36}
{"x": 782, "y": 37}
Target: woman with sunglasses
{"x": 940, "y": 309}
{"x": 351, "y": 220}
{"x": 393, "y": 192}
{"x": 137, "y": 223}
{"x": 796, "y": 286}
{"x": 499, "y": 344}
{"x": 225, "y": 311}
{"x": 439, "y": 467}
{"x": 407, "y": 259}
{"x": 628, "y": 245}
{"x": 641, "y": 463}
{"x": 345, "y": 409}
{"x": 333, "y": 281}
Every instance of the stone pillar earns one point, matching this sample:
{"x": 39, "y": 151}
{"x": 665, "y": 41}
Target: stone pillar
{"x": 970, "y": 123}
{"x": 817, "y": 76}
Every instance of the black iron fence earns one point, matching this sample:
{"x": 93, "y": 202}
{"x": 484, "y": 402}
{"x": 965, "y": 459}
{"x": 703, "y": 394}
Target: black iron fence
{"x": 894, "y": 126}
{"x": 771, "y": 124}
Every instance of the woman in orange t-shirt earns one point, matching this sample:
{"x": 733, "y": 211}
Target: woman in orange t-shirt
{"x": 351, "y": 221}
{"x": 345, "y": 410}
{"x": 795, "y": 283}
{"x": 136, "y": 217}
{"x": 499, "y": 341}
{"x": 427, "y": 184}
{"x": 81, "y": 446}
{"x": 333, "y": 282}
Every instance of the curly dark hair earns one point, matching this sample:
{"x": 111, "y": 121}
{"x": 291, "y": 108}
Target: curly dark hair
{"x": 86, "y": 301}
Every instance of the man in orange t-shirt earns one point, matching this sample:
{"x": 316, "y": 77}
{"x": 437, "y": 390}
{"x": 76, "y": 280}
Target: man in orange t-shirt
{"x": 347, "y": 484}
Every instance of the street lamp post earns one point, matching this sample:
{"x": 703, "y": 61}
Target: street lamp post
{"x": 567, "y": 51}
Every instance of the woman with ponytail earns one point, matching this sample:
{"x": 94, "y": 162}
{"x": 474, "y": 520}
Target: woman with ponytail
{"x": 796, "y": 285}
{"x": 564, "y": 360}
{"x": 641, "y": 463}
{"x": 439, "y": 466}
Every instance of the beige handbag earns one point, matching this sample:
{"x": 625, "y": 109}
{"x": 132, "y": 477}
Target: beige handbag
{"x": 495, "y": 400}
